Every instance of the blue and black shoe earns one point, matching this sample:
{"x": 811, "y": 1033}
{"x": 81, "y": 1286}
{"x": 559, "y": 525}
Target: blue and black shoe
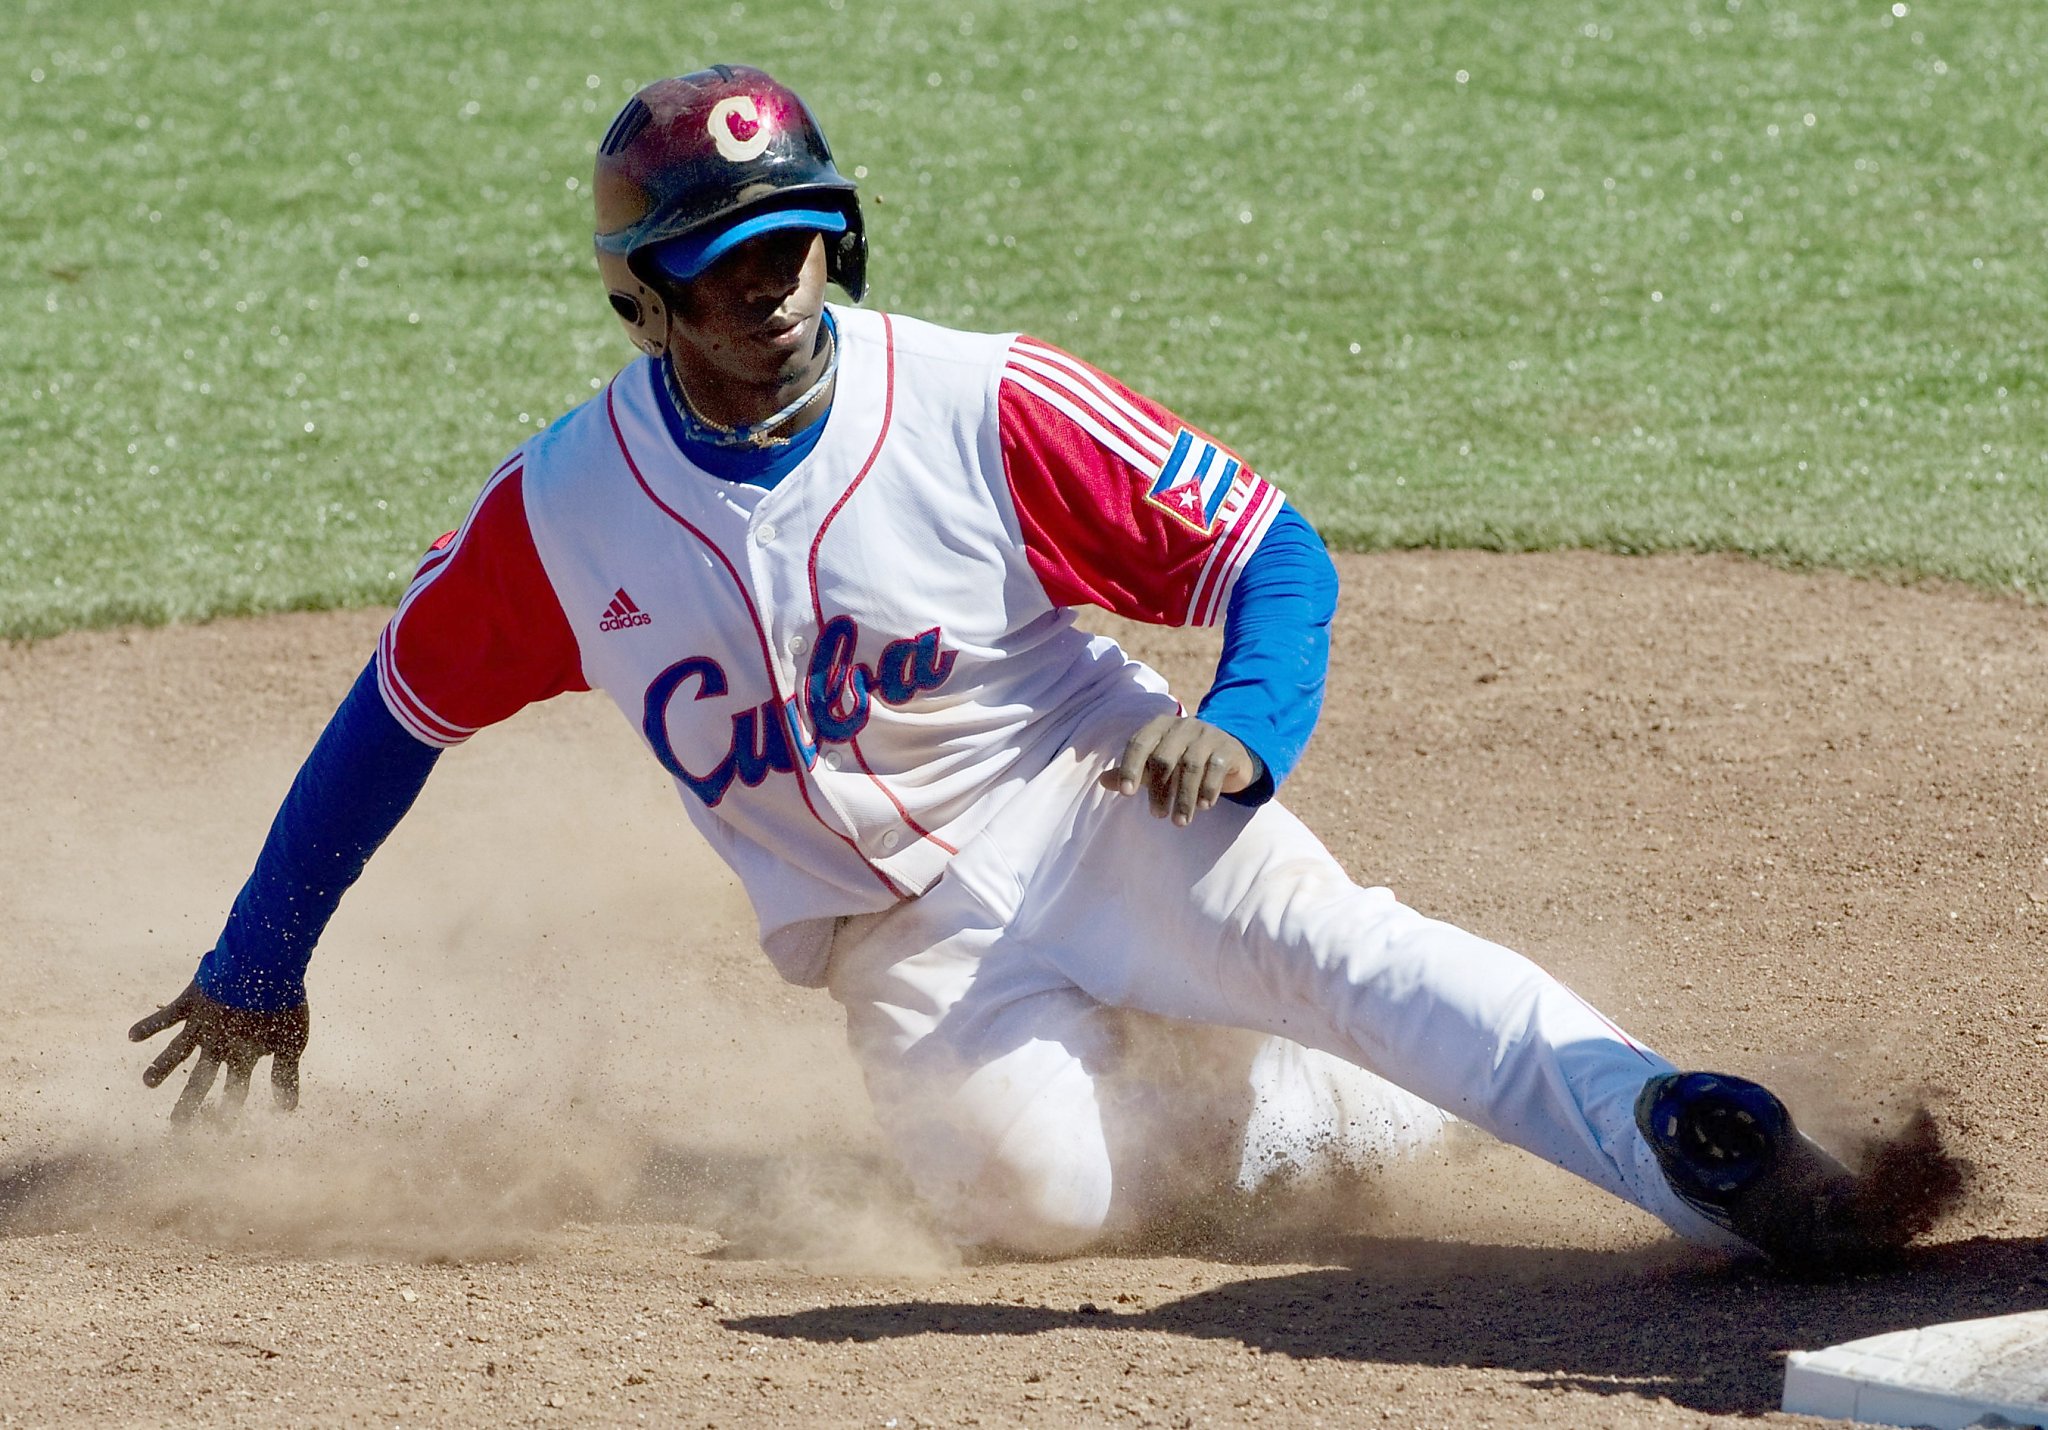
{"x": 1729, "y": 1149}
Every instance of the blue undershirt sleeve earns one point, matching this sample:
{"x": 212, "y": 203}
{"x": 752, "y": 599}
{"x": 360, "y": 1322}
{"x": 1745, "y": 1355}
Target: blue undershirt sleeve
{"x": 363, "y": 775}
{"x": 1268, "y": 690}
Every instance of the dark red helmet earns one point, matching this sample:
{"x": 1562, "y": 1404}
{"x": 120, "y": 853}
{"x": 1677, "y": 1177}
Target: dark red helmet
{"x": 693, "y": 158}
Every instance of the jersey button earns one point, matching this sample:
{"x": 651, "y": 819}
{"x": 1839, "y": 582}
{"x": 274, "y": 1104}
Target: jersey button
{"x": 891, "y": 839}
{"x": 831, "y": 759}
{"x": 797, "y": 645}
{"x": 764, "y": 533}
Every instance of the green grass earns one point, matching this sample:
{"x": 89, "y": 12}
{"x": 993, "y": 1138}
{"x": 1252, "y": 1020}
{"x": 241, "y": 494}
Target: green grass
{"x": 282, "y": 285}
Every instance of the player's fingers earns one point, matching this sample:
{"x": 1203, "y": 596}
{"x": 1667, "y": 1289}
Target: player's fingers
{"x": 284, "y": 1080}
{"x": 196, "y": 1086}
{"x": 1187, "y": 781}
{"x": 172, "y": 1012}
{"x": 1117, "y": 778}
{"x": 1215, "y": 767}
{"x": 1124, "y": 776}
{"x": 1163, "y": 768}
{"x": 235, "y": 1090}
{"x": 175, "y": 1052}
{"x": 1187, "y": 788}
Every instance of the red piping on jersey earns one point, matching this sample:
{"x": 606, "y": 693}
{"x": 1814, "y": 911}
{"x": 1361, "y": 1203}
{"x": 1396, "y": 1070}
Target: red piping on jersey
{"x": 1257, "y": 523}
{"x": 1048, "y": 365}
{"x": 1625, "y": 1038}
{"x": 425, "y": 723}
{"x": 1201, "y": 608}
{"x": 760, "y": 632}
{"x": 1108, "y": 431}
{"x": 427, "y": 726}
{"x": 1215, "y": 570}
{"x": 818, "y": 605}
{"x": 443, "y": 546}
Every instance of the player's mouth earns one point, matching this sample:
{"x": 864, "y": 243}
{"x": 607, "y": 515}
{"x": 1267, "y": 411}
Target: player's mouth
{"x": 785, "y": 334}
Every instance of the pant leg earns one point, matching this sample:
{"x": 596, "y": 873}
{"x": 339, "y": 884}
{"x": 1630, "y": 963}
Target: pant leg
{"x": 1244, "y": 919}
{"x": 1028, "y": 1114}
{"x": 982, "y": 1068}
{"x": 1314, "y": 1115}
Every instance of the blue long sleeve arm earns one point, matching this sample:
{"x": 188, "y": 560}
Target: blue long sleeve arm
{"x": 1268, "y": 690}
{"x": 363, "y": 775}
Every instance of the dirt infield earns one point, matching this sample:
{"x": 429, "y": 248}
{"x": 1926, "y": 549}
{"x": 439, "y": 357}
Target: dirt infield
{"x": 570, "y": 1153}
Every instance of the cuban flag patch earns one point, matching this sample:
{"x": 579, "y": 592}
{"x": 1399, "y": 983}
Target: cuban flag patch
{"x": 1194, "y": 480}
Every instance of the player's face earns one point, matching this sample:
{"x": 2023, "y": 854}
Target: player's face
{"x": 748, "y": 328}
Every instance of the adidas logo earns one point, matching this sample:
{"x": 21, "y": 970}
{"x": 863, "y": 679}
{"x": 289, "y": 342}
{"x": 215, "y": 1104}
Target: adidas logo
{"x": 622, "y": 613}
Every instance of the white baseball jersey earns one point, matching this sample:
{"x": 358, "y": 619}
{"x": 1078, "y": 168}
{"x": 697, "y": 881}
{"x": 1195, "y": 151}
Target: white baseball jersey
{"x": 848, "y": 674}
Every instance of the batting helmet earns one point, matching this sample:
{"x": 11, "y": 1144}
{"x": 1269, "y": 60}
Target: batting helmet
{"x": 696, "y": 164}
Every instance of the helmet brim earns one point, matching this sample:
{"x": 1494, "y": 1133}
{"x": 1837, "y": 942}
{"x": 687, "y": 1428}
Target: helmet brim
{"x": 688, "y": 255}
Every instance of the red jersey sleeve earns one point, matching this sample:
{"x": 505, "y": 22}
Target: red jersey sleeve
{"x": 1122, "y": 504}
{"x": 479, "y": 634}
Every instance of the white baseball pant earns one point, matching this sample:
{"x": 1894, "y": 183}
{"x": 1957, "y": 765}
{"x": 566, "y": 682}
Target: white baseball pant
{"x": 989, "y": 1019}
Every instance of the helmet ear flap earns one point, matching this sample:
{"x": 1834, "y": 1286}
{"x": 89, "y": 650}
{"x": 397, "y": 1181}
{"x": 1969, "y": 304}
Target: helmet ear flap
{"x": 640, "y": 305}
{"x": 652, "y": 337}
{"x": 847, "y": 263}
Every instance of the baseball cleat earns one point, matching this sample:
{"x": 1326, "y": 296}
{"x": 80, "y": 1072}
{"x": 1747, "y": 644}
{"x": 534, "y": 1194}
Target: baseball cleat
{"x": 1729, "y": 1149}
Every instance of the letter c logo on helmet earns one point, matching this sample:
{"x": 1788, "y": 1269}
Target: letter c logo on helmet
{"x": 737, "y": 130}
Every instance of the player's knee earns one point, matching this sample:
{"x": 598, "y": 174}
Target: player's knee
{"x": 1013, "y": 1154}
{"x": 1033, "y": 1195}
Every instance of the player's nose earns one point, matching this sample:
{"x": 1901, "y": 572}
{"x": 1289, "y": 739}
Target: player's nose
{"x": 772, "y": 266}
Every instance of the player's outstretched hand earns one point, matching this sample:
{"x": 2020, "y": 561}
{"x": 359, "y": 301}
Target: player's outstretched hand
{"x": 234, "y": 1038}
{"x": 1187, "y": 765}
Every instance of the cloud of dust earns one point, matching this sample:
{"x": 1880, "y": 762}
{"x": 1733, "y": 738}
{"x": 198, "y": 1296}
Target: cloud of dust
{"x": 515, "y": 1029}
{"x": 420, "y": 1142}
{"x": 395, "y": 1154}
{"x": 1911, "y": 1177}
{"x": 1912, "y": 1180}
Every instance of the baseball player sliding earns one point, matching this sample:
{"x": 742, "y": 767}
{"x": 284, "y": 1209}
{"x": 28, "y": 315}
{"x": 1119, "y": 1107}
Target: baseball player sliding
{"x": 826, "y": 562}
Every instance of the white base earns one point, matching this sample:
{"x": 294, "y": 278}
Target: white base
{"x": 1947, "y": 1377}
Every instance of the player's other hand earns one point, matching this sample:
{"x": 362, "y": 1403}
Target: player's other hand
{"x": 234, "y": 1038}
{"x": 1184, "y": 763}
